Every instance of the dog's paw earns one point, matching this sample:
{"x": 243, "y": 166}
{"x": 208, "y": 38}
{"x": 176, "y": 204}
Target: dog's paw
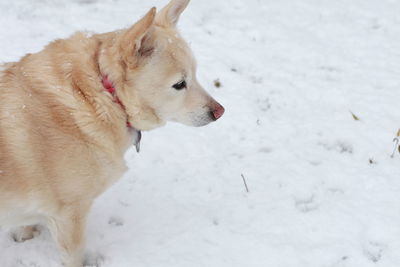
{"x": 93, "y": 259}
{"x": 24, "y": 233}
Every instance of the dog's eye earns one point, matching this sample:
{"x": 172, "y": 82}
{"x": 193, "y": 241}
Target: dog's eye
{"x": 181, "y": 85}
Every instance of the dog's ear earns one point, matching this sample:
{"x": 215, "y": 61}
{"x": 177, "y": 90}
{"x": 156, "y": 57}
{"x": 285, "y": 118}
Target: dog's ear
{"x": 136, "y": 43}
{"x": 170, "y": 14}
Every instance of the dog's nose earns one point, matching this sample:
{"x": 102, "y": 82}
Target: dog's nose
{"x": 218, "y": 111}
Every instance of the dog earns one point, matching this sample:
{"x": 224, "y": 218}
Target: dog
{"x": 69, "y": 113}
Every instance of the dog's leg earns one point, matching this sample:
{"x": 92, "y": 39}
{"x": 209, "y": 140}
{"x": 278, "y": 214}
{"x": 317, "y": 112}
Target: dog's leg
{"x": 67, "y": 229}
{"x": 24, "y": 233}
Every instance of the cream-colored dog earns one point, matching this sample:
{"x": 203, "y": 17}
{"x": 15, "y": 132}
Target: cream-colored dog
{"x": 69, "y": 113}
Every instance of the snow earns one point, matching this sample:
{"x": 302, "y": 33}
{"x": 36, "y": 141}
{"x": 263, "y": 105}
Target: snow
{"x": 323, "y": 189}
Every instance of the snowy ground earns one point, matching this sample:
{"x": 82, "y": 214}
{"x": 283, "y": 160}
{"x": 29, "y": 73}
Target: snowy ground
{"x": 324, "y": 191}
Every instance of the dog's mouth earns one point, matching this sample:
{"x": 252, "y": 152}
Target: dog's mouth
{"x": 200, "y": 117}
{"x": 199, "y": 121}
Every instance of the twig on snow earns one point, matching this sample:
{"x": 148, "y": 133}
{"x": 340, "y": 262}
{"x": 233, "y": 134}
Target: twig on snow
{"x": 245, "y": 184}
{"x": 396, "y": 145}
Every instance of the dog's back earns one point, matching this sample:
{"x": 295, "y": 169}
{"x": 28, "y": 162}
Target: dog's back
{"x": 40, "y": 137}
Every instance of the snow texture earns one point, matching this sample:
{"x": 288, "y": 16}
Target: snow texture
{"x": 323, "y": 189}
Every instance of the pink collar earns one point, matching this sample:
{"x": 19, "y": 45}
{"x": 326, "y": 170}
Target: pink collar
{"x": 111, "y": 89}
{"x": 137, "y": 135}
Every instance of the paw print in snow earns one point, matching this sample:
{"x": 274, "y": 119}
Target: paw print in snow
{"x": 115, "y": 221}
{"x": 93, "y": 259}
{"x": 373, "y": 251}
{"x": 306, "y": 204}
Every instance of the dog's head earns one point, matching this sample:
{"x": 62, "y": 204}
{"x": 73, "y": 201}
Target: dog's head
{"x": 156, "y": 78}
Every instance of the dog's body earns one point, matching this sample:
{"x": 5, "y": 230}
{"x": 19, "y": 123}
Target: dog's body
{"x": 63, "y": 135}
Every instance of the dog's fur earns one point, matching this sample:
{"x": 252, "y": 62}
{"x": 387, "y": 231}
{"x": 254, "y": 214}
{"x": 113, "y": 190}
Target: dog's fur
{"x": 63, "y": 136}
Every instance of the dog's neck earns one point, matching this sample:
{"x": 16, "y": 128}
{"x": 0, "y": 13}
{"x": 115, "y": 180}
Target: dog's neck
{"x": 137, "y": 134}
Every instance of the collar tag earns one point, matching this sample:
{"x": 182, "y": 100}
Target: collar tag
{"x": 137, "y": 136}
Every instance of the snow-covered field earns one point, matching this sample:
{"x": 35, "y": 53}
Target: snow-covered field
{"x": 323, "y": 189}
